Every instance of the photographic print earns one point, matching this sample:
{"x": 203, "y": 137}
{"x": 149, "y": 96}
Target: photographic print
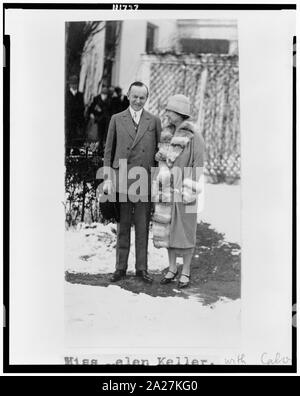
{"x": 149, "y": 178}
{"x": 153, "y": 275}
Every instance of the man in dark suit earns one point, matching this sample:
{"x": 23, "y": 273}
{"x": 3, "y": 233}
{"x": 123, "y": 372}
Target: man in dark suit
{"x": 133, "y": 136}
{"x": 100, "y": 112}
{"x": 74, "y": 112}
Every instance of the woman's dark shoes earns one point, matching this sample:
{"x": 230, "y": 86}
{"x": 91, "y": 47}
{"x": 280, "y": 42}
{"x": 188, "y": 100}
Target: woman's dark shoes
{"x": 144, "y": 276}
{"x": 182, "y": 285}
{"x": 118, "y": 275}
{"x": 165, "y": 280}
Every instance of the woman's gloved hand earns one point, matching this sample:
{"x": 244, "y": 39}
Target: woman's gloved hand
{"x": 190, "y": 190}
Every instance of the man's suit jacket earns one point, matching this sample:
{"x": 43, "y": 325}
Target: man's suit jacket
{"x": 138, "y": 148}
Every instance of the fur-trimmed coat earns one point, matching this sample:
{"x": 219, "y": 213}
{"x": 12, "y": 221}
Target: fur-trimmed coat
{"x": 176, "y": 186}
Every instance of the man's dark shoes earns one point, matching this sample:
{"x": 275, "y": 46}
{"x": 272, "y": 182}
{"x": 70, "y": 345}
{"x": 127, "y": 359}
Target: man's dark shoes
{"x": 118, "y": 275}
{"x": 144, "y": 276}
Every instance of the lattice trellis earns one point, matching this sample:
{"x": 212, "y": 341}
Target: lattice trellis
{"x": 212, "y": 84}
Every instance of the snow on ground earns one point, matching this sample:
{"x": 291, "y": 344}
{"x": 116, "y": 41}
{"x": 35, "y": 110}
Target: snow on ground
{"x": 91, "y": 250}
{"x": 222, "y": 209}
{"x": 113, "y": 317}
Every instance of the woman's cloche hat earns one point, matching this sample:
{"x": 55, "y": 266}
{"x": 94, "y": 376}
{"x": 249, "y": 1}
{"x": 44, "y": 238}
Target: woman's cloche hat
{"x": 180, "y": 104}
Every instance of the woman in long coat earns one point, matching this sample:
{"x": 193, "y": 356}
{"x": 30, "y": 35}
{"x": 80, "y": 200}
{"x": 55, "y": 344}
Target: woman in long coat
{"x": 176, "y": 186}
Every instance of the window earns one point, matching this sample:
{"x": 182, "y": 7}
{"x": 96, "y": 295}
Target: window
{"x": 151, "y": 37}
{"x": 204, "y": 46}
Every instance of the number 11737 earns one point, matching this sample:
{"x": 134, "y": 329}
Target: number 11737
{"x": 125, "y": 6}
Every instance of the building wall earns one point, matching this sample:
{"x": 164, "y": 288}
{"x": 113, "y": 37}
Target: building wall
{"x": 167, "y": 33}
{"x": 133, "y": 45}
{"x": 210, "y": 29}
{"x": 128, "y": 66}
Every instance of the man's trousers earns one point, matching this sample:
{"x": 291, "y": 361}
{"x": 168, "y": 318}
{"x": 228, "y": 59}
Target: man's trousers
{"x": 138, "y": 214}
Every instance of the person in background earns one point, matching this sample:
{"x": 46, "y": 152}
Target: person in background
{"x": 99, "y": 111}
{"x": 111, "y": 92}
{"x": 74, "y": 115}
{"x": 119, "y": 101}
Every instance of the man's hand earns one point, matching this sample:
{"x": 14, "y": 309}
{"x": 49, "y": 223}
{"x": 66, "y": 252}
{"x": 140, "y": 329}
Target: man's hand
{"x": 92, "y": 117}
{"x": 108, "y": 187}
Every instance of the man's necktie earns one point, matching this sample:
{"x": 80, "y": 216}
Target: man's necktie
{"x": 135, "y": 120}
